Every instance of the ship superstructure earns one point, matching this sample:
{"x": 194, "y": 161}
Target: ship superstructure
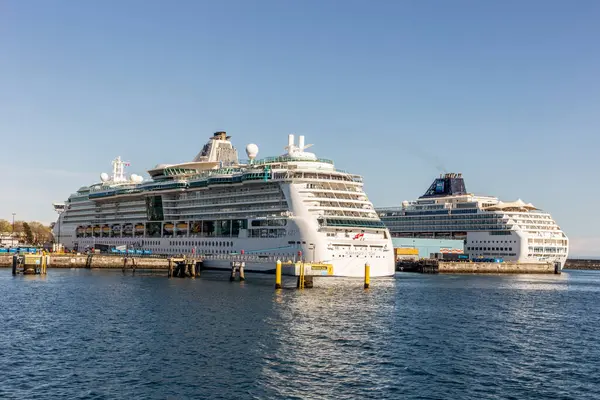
{"x": 513, "y": 231}
{"x": 290, "y": 206}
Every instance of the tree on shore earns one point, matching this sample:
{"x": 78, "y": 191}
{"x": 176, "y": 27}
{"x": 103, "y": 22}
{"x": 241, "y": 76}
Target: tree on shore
{"x": 41, "y": 233}
{"x": 31, "y": 232}
{"x": 28, "y": 234}
{"x": 5, "y": 226}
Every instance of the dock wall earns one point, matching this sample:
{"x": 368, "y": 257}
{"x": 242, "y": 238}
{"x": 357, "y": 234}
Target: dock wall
{"x": 97, "y": 261}
{"x": 495, "y": 268}
{"x": 432, "y": 266}
{"x": 582, "y": 264}
{"x": 110, "y": 261}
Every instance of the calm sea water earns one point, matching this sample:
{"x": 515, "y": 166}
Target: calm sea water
{"x": 104, "y": 335}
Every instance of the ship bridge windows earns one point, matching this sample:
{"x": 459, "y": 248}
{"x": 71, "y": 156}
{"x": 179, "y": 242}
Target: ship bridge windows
{"x": 429, "y": 212}
{"x": 269, "y": 222}
{"x": 465, "y": 211}
{"x": 353, "y": 223}
{"x": 464, "y": 205}
{"x": 266, "y": 233}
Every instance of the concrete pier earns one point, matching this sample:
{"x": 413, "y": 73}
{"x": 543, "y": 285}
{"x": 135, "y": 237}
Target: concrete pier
{"x": 95, "y": 261}
{"x": 577, "y": 263}
{"x": 430, "y": 266}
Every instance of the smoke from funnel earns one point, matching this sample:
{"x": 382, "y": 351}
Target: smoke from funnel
{"x": 428, "y": 158}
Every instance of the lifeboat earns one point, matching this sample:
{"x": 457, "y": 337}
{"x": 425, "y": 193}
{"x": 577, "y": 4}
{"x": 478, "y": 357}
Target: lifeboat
{"x": 168, "y": 227}
{"x": 105, "y": 229}
{"x": 139, "y": 227}
{"x": 88, "y": 229}
{"x": 97, "y": 229}
{"x": 182, "y": 226}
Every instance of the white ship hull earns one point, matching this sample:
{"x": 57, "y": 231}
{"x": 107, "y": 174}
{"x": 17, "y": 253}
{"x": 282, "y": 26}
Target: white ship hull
{"x": 381, "y": 262}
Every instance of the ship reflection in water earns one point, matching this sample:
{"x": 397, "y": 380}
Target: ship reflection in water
{"x": 102, "y": 334}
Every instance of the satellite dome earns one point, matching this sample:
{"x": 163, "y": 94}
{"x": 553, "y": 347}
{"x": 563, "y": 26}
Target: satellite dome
{"x": 104, "y": 177}
{"x": 252, "y": 151}
{"x": 136, "y": 178}
{"x": 404, "y": 204}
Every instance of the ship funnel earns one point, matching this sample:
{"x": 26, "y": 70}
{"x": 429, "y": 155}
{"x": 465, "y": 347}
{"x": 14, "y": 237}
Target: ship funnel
{"x": 290, "y": 140}
{"x": 301, "y": 142}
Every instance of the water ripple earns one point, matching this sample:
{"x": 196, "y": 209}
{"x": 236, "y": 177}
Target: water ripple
{"x": 101, "y": 335}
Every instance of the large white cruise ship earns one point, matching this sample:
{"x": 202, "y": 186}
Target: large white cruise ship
{"x": 513, "y": 231}
{"x": 293, "y": 205}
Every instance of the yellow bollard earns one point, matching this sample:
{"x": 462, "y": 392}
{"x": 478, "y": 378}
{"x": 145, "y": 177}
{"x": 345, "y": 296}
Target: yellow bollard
{"x": 367, "y": 275}
{"x": 44, "y": 263}
{"x": 278, "y": 275}
{"x": 301, "y": 277}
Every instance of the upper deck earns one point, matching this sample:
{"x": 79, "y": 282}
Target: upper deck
{"x": 447, "y": 206}
{"x": 218, "y": 164}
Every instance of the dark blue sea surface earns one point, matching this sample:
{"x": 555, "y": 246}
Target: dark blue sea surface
{"x": 81, "y": 334}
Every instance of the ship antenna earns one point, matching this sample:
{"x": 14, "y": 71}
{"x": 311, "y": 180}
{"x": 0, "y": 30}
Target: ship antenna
{"x": 119, "y": 170}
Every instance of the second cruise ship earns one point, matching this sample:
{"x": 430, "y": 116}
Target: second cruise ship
{"x": 490, "y": 228}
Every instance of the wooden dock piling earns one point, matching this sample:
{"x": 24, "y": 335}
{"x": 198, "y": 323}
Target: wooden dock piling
{"x": 237, "y": 266}
{"x": 131, "y": 261}
{"x": 184, "y": 267}
{"x": 15, "y": 264}
{"x": 88, "y": 261}
{"x": 233, "y": 271}
{"x": 242, "y": 277}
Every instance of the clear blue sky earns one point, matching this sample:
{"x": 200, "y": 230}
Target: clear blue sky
{"x": 506, "y": 92}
